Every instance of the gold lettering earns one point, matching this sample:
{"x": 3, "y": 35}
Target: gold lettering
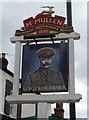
{"x": 37, "y": 21}
{"x": 47, "y": 20}
{"x": 59, "y": 22}
{"x": 30, "y": 23}
{"x": 54, "y": 21}
{"x": 42, "y": 20}
{"x": 27, "y": 25}
{"x": 50, "y": 20}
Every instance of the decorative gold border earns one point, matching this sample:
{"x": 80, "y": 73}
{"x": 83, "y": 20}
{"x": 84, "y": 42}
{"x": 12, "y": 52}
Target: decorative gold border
{"x": 65, "y": 29}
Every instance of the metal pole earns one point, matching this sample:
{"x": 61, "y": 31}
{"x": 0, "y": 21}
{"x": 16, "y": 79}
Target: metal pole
{"x": 69, "y": 21}
{"x": 69, "y": 12}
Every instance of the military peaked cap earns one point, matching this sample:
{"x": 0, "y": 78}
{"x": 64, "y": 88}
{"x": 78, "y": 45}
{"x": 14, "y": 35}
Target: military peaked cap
{"x": 46, "y": 52}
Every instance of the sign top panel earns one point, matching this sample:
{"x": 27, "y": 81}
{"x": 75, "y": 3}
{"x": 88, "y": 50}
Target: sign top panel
{"x": 44, "y": 23}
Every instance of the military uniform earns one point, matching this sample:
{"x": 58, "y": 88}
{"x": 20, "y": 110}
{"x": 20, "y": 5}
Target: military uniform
{"x": 44, "y": 76}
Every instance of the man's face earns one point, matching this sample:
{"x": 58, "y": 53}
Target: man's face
{"x": 46, "y": 62}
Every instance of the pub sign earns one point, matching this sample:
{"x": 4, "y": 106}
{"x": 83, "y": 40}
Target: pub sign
{"x": 44, "y": 23}
{"x": 45, "y": 68}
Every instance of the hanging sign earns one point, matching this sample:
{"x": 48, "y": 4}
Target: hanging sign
{"x": 44, "y": 23}
{"x": 45, "y": 68}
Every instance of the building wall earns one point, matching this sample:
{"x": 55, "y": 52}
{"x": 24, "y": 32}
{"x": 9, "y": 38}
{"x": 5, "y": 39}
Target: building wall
{"x": 3, "y": 77}
{"x": 27, "y": 109}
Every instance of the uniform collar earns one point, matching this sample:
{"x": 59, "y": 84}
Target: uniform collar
{"x": 45, "y": 70}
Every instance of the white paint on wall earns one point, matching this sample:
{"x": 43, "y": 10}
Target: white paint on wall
{"x": 3, "y": 77}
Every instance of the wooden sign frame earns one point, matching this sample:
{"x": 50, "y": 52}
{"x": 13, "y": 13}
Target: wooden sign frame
{"x": 24, "y": 99}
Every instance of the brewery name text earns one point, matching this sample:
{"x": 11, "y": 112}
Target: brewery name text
{"x": 43, "y": 20}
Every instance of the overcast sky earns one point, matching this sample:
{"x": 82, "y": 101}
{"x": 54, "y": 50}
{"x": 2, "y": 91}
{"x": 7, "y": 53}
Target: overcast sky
{"x": 13, "y": 14}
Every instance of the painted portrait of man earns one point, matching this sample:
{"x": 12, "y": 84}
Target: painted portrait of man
{"x": 44, "y": 78}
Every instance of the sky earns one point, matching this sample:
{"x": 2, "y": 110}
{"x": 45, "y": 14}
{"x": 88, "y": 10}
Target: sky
{"x": 12, "y": 16}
